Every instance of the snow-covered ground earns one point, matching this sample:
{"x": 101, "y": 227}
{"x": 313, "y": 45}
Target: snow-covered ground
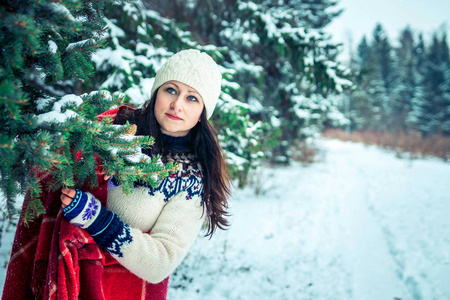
{"x": 358, "y": 224}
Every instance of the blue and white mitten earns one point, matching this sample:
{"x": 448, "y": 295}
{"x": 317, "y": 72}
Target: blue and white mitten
{"x": 83, "y": 210}
{"x": 104, "y": 226}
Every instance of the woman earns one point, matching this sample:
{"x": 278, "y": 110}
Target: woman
{"x": 147, "y": 233}
{"x": 150, "y": 231}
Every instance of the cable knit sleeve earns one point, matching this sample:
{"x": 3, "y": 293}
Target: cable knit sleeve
{"x": 155, "y": 256}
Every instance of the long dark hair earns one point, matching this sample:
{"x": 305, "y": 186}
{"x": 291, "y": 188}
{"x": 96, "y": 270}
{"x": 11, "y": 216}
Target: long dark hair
{"x": 206, "y": 148}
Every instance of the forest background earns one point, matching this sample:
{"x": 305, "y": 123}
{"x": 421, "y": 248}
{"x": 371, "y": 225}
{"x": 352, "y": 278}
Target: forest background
{"x": 64, "y": 62}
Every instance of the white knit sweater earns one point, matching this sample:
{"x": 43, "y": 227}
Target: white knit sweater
{"x": 157, "y": 226}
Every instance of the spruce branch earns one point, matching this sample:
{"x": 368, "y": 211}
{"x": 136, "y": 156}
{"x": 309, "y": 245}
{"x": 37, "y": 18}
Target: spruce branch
{"x": 30, "y": 45}
{"x": 6, "y": 146}
{"x": 42, "y": 45}
{"x": 81, "y": 46}
{"x": 33, "y": 207}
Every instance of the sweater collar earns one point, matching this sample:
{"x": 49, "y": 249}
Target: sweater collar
{"x": 176, "y": 144}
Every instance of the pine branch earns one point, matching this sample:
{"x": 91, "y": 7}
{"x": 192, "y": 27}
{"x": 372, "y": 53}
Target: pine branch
{"x": 6, "y": 145}
{"x": 83, "y": 45}
{"x": 30, "y": 45}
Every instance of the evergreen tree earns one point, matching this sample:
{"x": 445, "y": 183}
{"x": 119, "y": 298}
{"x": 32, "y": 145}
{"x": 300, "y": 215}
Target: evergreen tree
{"x": 382, "y": 56}
{"x": 402, "y": 92}
{"x": 360, "y": 106}
{"x": 371, "y": 98}
{"x": 45, "y": 47}
{"x": 281, "y": 57}
{"x": 417, "y": 101}
{"x": 364, "y": 53}
{"x": 44, "y": 43}
{"x": 384, "y": 76}
{"x": 446, "y": 98}
{"x": 140, "y": 40}
{"x": 406, "y": 86}
{"x": 429, "y": 111}
{"x": 445, "y": 87}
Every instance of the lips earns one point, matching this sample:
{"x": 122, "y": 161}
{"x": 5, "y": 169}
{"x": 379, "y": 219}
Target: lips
{"x": 173, "y": 117}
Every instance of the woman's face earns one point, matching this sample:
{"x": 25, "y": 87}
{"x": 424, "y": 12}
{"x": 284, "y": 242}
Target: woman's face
{"x": 178, "y": 108}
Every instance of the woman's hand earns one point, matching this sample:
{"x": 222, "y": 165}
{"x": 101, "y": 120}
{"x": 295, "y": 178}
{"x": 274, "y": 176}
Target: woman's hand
{"x": 67, "y": 196}
{"x": 105, "y": 177}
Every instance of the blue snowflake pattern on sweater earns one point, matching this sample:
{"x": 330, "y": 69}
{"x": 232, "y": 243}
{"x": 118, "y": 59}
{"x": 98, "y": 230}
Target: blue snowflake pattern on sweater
{"x": 91, "y": 209}
{"x": 189, "y": 181}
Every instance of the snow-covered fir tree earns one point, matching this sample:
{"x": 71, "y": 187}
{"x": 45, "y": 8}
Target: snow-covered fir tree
{"x": 384, "y": 76}
{"x": 47, "y": 47}
{"x": 140, "y": 41}
{"x": 370, "y": 100}
{"x": 283, "y": 60}
{"x": 406, "y": 86}
{"x": 429, "y": 110}
{"x": 446, "y": 103}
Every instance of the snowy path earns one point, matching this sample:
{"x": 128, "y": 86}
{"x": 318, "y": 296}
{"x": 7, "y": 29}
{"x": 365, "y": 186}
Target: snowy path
{"x": 360, "y": 224}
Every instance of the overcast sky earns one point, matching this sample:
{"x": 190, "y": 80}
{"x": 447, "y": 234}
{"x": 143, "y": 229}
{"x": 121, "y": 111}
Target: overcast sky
{"x": 360, "y": 16}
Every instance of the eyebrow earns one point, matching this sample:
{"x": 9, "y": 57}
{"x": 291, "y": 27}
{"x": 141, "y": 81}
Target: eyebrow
{"x": 189, "y": 91}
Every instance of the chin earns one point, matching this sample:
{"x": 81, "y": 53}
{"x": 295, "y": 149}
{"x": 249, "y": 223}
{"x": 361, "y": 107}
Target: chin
{"x": 175, "y": 133}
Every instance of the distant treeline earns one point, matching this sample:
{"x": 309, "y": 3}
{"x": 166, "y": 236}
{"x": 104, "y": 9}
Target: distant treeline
{"x": 401, "y": 89}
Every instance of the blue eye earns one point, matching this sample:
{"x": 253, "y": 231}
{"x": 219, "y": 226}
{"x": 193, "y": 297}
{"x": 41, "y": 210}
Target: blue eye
{"x": 171, "y": 91}
{"x": 192, "y": 98}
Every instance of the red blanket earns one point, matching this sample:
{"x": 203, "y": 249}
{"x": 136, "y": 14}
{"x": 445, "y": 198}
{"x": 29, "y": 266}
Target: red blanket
{"x": 53, "y": 259}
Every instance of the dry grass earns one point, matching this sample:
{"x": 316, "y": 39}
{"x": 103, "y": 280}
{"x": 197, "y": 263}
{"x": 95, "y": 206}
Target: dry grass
{"x": 304, "y": 152}
{"x": 413, "y": 144}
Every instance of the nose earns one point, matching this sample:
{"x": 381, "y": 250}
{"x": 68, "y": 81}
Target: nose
{"x": 176, "y": 105}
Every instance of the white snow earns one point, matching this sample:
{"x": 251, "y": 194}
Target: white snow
{"x": 41, "y": 103}
{"x": 79, "y": 45}
{"x": 357, "y": 224}
{"x": 56, "y": 115}
{"x": 52, "y": 47}
{"x": 113, "y": 29}
{"x": 139, "y": 94}
{"x": 61, "y": 10}
{"x": 238, "y": 161}
{"x": 68, "y": 99}
{"x": 340, "y": 82}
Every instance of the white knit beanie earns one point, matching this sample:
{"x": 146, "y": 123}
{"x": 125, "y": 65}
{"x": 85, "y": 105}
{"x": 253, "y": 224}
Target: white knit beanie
{"x": 195, "y": 69}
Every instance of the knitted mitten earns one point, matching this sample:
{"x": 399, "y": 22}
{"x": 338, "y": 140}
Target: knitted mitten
{"x": 103, "y": 225}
